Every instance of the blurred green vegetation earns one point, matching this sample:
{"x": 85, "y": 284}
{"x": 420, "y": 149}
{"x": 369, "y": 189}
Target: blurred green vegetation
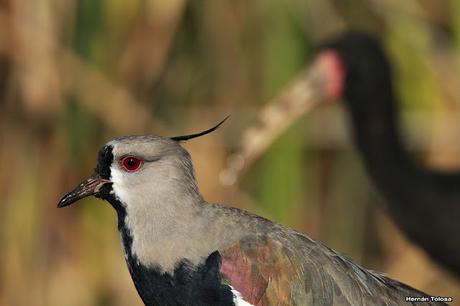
{"x": 74, "y": 74}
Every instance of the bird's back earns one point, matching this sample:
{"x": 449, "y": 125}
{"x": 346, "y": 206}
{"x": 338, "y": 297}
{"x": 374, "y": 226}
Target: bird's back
{"x": 273, "y": 265}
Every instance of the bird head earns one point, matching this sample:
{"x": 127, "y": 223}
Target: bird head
{"x": 140, "y": 166}
{"x": 356, "y": 63}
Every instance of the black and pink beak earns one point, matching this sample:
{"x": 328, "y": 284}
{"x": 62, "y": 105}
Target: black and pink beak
{"x": 90, "y": 186}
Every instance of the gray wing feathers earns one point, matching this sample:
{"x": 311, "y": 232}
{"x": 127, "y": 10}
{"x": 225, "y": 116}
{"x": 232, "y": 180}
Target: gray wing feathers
{"x": 332, "y": 279}
{"x": 322, "y": 276}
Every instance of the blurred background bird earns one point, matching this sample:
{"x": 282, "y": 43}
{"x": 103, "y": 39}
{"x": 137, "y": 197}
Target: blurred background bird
{"x": 75, "y": 74}
{"x": 415, "y": 195}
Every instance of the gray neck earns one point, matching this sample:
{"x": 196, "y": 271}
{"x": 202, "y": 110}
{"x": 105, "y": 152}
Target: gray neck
{"x": 176, "y": 228}
{"x": 158, "y": 225}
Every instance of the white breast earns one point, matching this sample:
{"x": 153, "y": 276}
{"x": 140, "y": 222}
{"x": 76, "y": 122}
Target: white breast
{"x": 238, "y": 299}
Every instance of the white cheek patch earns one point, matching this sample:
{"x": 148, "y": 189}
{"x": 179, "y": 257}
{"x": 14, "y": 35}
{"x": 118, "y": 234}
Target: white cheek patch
{"x": 121, "y": 191}
{"x": 238, "y": 299}
{"x": 118, "y": 188}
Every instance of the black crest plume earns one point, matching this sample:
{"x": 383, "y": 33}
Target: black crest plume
{"x": 187, "y": 137}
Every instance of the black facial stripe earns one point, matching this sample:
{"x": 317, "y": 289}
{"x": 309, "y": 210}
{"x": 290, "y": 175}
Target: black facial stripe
{"x": 104, "y": 161}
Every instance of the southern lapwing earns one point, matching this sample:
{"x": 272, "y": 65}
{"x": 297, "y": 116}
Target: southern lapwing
{"x": 182, "y": 250}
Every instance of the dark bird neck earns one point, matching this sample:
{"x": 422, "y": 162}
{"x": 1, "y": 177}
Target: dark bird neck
{"x": 423, "y": 202}
{"x": 372, "y": 107}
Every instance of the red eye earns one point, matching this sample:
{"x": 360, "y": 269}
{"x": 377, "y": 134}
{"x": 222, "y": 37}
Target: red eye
{"x": 130, "y": 163}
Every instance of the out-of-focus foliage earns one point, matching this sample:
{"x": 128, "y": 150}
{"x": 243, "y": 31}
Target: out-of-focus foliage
{"x": 74, "y": 74}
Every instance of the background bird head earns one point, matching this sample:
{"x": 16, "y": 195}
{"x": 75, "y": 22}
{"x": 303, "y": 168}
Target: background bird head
{"x": 367, "y": 73}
